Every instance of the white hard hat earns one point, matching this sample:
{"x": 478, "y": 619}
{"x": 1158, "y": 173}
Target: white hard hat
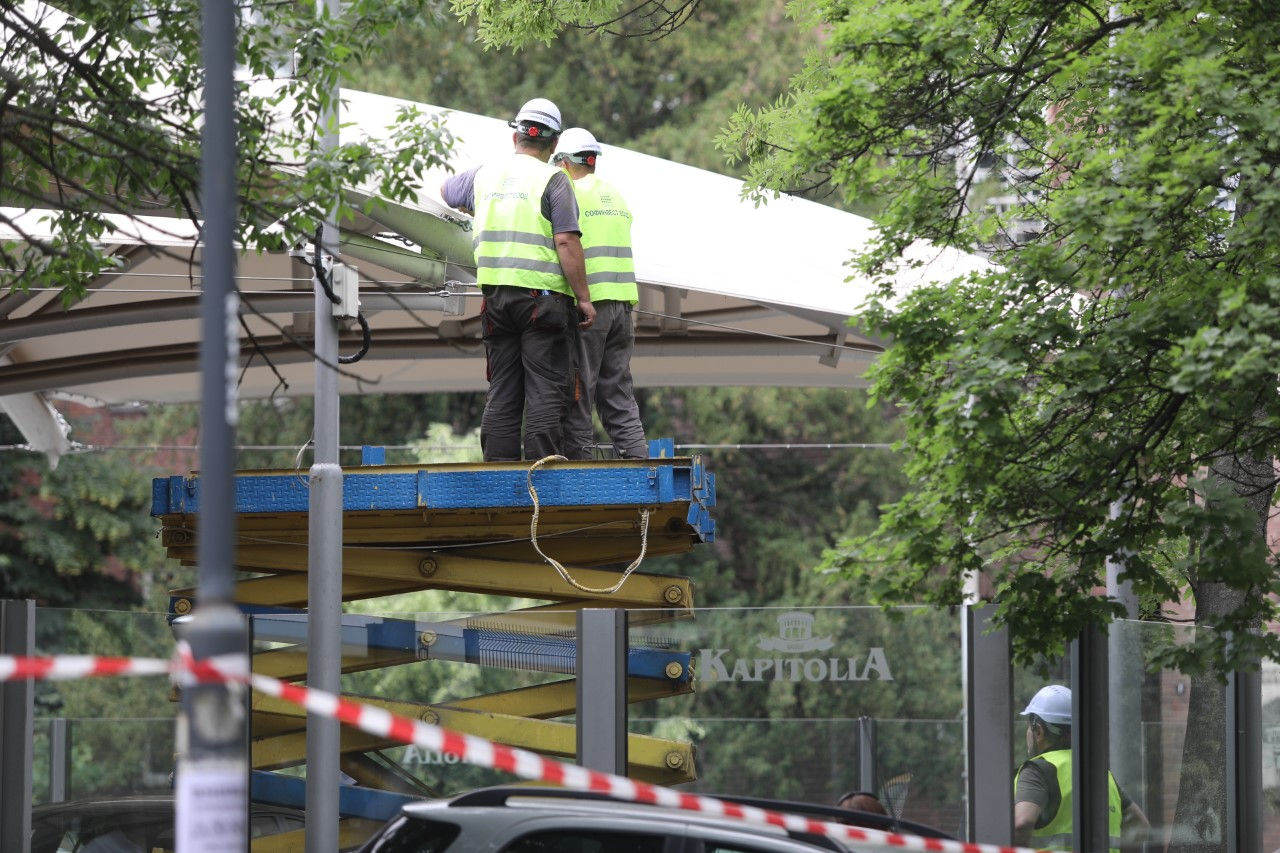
{"x": 577, "y": 140}
{"x": 1051, "y": 704}
{"x": 537, "y": 111}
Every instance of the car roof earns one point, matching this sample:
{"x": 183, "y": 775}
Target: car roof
{"x": 520, "y": 803}
{"x": 837, "y": 814}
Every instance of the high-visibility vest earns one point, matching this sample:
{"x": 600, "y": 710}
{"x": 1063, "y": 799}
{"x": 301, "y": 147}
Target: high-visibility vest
{"x": 606, "y": 240}
{"x": 1056, "y": 834}
{"x": 513, "y": 241}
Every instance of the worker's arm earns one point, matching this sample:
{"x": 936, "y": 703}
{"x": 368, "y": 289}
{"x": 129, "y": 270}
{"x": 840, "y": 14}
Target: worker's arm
{"x": 1025, "y": 816}
{"x": 458, "y": 191}
{"x": 1134, "y": 828}
{"x": 569, "y": 248}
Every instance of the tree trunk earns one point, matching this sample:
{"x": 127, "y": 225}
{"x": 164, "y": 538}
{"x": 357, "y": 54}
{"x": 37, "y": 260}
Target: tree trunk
{"x": 1200, "y": 816}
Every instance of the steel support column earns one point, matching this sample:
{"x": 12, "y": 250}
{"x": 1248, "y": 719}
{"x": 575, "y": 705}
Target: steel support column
{"x": 1124, "y": 668}
{"x": 1089, "y": 740}
{"x": 867, "y": 780}
{"x": 602, "y": 690}
{"x": 1244, "y": 760}
{"x": 59, "y": 759}
{"x": 988, "y": 728}
{"x": 324, "y": 583}
{"x": 17, "y": 723}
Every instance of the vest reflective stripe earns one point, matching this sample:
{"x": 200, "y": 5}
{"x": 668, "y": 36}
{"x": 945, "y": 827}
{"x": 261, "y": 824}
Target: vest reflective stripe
{"x": 609, "y": 277}
{"x": 606, "y": 240}
{"x": 521, "y": 264}
{"x": 514, "y": 245}
{"x": 515, "y": 237}
{"x": 1056, "y": 834}
{"x": 607, "y": 252}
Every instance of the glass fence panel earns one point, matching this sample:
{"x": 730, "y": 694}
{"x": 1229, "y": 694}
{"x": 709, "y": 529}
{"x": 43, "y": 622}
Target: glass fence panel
{"x": 809, "y": 703}
{"x": 757, "y": 701}
{"x": 788, "y": 703}
{"x": 504, "y": 676}
{"x": 102, "y": 736}
{"x": 1168, "y": 736}
{"x": 1271, "y": 753}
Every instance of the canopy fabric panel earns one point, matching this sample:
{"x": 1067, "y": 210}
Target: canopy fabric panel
{"x": 732, "y": 293}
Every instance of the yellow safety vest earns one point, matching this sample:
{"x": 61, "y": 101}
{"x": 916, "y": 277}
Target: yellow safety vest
{"x": 513, "y": 240}
{"x": 1056, "y": 834}
{"x": 606, "y": 240}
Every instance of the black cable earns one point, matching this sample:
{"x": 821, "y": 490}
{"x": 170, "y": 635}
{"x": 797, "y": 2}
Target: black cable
{"x": 322, "y": 276}
{"x": 364, "y": 347}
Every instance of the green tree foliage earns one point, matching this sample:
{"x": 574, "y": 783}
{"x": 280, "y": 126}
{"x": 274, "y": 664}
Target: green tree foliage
{"x": 1122, "y": 354}
{"x": 77, "y": 535}
{"x": 121, "y": 729}
{"x": 660, "y": 83}
{"x": 780, "y": 507}
{"x": 101, "y": 111}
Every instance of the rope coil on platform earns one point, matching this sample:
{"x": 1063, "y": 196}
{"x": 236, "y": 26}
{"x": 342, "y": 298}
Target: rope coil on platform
{"x": 231, "y": 669}
{"x": 560, "y": 569}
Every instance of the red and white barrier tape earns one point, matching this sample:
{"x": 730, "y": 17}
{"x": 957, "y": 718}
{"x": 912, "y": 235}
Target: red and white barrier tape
{"x": 470, "y": 749}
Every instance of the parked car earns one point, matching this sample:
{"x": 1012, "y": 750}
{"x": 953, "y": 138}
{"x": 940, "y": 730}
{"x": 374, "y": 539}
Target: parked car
{"x": 134, "y": 824}
{"x": 514, "y": 819}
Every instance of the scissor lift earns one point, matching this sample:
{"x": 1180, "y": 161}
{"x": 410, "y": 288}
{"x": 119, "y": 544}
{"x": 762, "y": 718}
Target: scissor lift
{"x": 462, "y": 527}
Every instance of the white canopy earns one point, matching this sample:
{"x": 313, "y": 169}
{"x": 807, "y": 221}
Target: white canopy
{"x": 731, "y": 294}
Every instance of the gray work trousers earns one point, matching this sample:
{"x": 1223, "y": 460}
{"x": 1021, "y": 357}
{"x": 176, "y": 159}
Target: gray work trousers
{"x": 604, "y": 381}
{"x": 530, "y": 373}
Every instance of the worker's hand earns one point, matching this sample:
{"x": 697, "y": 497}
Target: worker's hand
{"x": 586, "y": 313}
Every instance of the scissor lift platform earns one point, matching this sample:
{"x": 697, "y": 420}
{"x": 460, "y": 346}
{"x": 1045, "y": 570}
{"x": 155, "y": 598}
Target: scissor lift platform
{"x": 466, "y": 527}
{"x": 462, "y": 527}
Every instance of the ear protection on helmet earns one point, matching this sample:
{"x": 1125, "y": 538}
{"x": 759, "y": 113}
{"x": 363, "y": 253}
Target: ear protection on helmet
{"x": 533, "y": 130}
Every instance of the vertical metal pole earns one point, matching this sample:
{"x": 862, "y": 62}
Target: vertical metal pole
{"x": 867, "y": 780}
{"x": 17, "y": 727}
{"x": 324, "y": 650}
{"x": 324, "y": 562}
{"x": 1244, "y": 761}
{"x": 212, "y": 786}
{"x": 602, "y": 690}
{"x": 1089, "y": 747}
{"x": 1124, "y": 667}
{"x": 59, "y": 759}
{"x": 988, "y": 728}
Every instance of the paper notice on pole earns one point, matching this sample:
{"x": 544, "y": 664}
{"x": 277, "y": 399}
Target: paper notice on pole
{"x": 212, "y": 808}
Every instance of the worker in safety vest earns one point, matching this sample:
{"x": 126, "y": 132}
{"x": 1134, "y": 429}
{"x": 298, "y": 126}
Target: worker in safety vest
{"x": 530, "y": 268}
{"x": 1042, "y": 786}
{"x": 604, "y": 350}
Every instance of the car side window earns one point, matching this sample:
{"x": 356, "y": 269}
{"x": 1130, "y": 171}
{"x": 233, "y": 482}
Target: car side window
{"x": 413, "y": 835}
{"x": 586, "y": 841}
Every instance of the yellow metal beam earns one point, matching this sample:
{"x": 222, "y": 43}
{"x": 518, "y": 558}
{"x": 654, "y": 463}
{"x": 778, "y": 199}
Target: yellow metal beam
{"x": 289, "y": 748}
{"x": 459, "y": 573}
{"x": 563, "y": 616}
{"x": 591, "y": 536}
{"x": 653, "y": 759}
{"x": 371, "y": 773}
{"x": 290, "y": 590}
{"x": 352, "y": 832}
{"x": 559, "y": 698}
{"x": 290, "y": 663}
